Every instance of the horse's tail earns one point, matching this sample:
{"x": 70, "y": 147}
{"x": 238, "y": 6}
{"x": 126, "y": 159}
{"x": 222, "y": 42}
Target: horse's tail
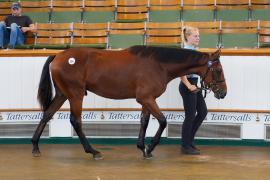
{"x": 45, "y": 86}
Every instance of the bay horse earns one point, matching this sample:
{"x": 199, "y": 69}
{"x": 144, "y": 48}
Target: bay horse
{"x": 140, "y": 72}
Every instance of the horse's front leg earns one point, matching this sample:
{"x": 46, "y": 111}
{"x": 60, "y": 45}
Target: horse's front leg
{"x": 155, "y": 140}
{"x": 152, "y": 106}
{"x": 145, "y": 115}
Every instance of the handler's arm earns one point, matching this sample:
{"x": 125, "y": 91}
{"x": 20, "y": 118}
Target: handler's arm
{"x": 190, "y": 87}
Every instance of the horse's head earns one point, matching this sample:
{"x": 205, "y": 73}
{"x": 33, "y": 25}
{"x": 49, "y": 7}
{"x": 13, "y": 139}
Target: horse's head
{"x": 213, "y": 78}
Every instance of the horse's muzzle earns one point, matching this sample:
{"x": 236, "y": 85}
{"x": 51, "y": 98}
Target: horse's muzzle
{"x": 220, "y": 94}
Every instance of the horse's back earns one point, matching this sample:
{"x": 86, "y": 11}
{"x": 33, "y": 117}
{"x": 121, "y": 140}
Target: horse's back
{"x": 108, "y": 73}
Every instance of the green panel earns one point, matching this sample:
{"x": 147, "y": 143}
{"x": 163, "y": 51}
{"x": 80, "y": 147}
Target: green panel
{"x": 239, "y": 40}
{"x": 100, "y": 46}
{"x": 173, "y": 45}
{"x": 128, "y": 141}
{"x": 198, "y": 15}
{"x": 40, "y": 17}
{"x": 261, "y": 14}
{"x": 124, "y": 41}
{"x": 208, "y": 40}
{"x": 66, "y": 17}
{"x": 50, "y": 46}
{"x": 164, "y": 16}
{"x": 98, "y": 17}
{"x": 232, "y": 15}
{"x": 264, "y": 45}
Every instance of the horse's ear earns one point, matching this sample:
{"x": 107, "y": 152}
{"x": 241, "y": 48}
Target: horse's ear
{"x": 216, "y": 54}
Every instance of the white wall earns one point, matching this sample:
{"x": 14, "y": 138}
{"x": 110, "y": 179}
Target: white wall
{"x": 247, "y": 79}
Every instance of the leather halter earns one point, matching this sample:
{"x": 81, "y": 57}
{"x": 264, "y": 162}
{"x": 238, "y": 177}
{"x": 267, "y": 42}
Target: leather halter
{"x": 214, "y": 84}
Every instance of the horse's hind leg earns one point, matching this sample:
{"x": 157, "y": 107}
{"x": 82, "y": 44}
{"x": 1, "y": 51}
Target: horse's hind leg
{"x": 152, "y": 106}
{"x": 145, "y": 115}
{"x": 75, "y": 120}
{"x": 56, "y": 103}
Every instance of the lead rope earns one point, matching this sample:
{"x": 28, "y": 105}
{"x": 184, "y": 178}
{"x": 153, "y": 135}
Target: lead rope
{"x": 204, "y": 89}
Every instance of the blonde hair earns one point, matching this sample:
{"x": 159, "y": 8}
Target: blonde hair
{"x": 187, "y": 30}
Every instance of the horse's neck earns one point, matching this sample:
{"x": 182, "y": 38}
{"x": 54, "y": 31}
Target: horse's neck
{"x": 182, "y": 69}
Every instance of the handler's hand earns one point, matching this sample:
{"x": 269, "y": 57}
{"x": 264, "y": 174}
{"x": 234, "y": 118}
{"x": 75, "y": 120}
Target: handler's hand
{"x": 193, "y": 89}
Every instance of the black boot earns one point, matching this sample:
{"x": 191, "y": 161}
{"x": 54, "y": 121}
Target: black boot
{"x": 189, "y": 151}
{"x": 194, "y": 147}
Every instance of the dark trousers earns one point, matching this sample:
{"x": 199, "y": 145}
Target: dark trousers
{"x": 195, "y": 112}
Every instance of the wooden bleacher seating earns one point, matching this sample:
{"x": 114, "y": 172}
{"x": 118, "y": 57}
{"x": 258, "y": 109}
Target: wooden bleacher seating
{"x": 233, "y": 10}
{"x": 120, "y": 32}
{"x": 38, "y": 11}
{"x": 198, "y": 10}
{"x": 164, "y": 10}
{"x": 90, "y": 35}
{"x": 4, "y": 10}
{"x": 96, "y": 11}
{"x": 264, "y": 34}
{"x": 66, "y": 11}
{"x": 239, "y": 34}
{"x": 260, "y": 9}
{"x": 131, "y": 10}
{"x": 56, "y": 36}
{"x": 163, "y": 34}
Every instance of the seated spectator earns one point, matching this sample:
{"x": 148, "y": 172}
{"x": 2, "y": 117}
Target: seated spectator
{"x": 14, "y": 27}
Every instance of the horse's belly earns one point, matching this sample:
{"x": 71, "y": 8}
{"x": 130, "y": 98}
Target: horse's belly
{"x": 112, "y": 91}
{"x": 113, "y": 95}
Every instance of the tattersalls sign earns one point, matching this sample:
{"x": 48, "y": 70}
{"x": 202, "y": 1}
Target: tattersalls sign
{"x": 172, "y": 116}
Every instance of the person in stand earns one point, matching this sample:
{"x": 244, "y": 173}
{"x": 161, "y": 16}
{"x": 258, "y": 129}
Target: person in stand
{"x": 193, "y": 101}
{"x": 14, "y": 27}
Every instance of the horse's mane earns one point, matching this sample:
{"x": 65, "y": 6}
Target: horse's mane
{"x": 166, "y": 54}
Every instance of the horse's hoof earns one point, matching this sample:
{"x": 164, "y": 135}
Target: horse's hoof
{"x": 98, "y": 156}
{"x": 36, "y": 154}
{"x": 146, "y": 154}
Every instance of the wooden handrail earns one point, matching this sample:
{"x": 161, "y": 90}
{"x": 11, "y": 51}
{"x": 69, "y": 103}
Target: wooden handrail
{"x": 28, "y": 53}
